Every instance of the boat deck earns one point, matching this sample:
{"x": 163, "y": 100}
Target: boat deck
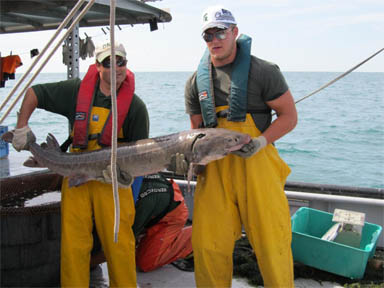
{"x": 167, "y": 276}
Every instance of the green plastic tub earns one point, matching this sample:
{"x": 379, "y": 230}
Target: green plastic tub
{"x": 309, "y": 225}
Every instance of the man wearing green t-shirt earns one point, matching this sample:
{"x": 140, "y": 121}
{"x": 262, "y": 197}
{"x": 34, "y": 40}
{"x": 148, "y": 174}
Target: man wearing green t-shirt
{"x": 234, "y": 90}
{"x": 159, "y": 227}
{"x": 86, "y": 104}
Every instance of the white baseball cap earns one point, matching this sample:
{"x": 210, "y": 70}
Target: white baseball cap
{"x": 104, "y": 50}
{"x": 217, "y": 16}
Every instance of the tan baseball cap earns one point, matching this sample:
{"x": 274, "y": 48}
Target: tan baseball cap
{"x": 104, "y": 50}
{"x": 217, "y": 16}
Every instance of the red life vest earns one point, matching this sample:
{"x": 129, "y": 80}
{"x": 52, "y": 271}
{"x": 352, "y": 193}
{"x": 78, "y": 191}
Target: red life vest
{"x": 84, "y": 106}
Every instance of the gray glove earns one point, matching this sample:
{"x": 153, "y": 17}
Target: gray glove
{"x": 22, "y": 137}
{"x": 124, "y": 179}
{"x": 178, "y": 164}
{"x": 252, "y": 147}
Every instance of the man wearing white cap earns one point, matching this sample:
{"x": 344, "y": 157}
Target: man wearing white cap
{"x": 234, "y": 90}
{"x": 86, "y": 104}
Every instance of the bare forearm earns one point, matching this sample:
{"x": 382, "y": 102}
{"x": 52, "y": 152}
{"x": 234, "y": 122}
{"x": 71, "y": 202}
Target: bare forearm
{"x": 27, "y": 107}
{"x": 281, "y": 126}
{"x": 196, "y": 120}
{"x": 286, "y": 117}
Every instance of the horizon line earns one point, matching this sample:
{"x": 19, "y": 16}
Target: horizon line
{"x": 192, "y": 71}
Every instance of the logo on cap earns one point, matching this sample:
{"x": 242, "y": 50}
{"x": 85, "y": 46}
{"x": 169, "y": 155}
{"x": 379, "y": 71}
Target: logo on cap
{"x": 105, "y": 46}
{"x": 224, "y": 15}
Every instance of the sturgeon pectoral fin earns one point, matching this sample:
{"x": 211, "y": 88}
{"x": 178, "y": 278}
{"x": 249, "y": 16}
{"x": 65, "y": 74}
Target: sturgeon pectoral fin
{"x": 31, "y": 162}
{"x": 77, "y": 180}
{"x": 124, "y": 179}
{"x": 189, "y": 176}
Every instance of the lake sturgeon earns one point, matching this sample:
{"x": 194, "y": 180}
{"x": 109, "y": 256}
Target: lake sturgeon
{"x": 139, "y": 158}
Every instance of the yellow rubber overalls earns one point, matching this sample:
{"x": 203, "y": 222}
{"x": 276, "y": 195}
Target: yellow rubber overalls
{"x": 79, "y": 206}
{"x": 235, "y": 191}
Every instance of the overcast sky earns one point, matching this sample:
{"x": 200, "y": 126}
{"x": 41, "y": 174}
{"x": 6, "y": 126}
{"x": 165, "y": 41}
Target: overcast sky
{"x": 298, "y": 35}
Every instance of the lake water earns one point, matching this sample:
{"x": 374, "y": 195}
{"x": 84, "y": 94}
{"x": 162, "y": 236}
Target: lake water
{"x": 339, "y": 138}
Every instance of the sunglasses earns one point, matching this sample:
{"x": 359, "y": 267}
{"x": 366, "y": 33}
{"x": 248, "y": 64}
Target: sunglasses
{"x": 220, "y": 35}
{"x": 120, "y": 62}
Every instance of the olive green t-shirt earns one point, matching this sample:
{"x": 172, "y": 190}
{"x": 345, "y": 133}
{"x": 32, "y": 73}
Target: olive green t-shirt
{"x": 61, "y": 98}
{"x": 265, "y": 83}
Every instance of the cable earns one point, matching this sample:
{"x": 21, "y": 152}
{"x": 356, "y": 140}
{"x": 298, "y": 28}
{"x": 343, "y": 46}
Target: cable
{"x": 59, "y": 29}
{"x": 75, "y": 21}
{"x": 340, "y": 76}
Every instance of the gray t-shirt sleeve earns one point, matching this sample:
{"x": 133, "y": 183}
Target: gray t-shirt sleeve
{"x": 191, "y": 96}
{"x": 273, "y": 82}
{"x": 266, "y": 83}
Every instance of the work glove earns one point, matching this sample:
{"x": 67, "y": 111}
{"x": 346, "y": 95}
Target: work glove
{"x": 124, "y": 179}
{"x": 179, "y": 164}
{"x": 22, "y": 137}
{"x": 251, "y": 148}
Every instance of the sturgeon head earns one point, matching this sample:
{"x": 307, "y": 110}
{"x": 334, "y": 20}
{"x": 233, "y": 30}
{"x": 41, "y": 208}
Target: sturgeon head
{"x": 215, "y": 143}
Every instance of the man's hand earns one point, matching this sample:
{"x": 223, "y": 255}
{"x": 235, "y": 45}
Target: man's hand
{"x": 178, "y": 164}
{"x": 252, "y": 147}
{"x": 22, "y": 137}
{"x": 124, "y": 179}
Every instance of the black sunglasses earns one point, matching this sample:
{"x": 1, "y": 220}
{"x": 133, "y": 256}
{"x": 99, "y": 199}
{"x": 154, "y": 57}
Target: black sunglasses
{"x": 220, "y": 35}
{"x": 119, "y": 62}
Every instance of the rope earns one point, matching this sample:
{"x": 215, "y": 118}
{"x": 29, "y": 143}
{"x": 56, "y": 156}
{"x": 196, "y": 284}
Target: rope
{"x": 337, "y": 78}
{"x": 340, "y": 76}
{"x": 59, "y": 29}
{"x": 75, "y": 21}
{"x": 114, "y": 123}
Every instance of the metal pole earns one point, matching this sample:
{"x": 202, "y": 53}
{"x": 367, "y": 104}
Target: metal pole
{"x": 334, "y": 198}
{"x": 73, "y": 47}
